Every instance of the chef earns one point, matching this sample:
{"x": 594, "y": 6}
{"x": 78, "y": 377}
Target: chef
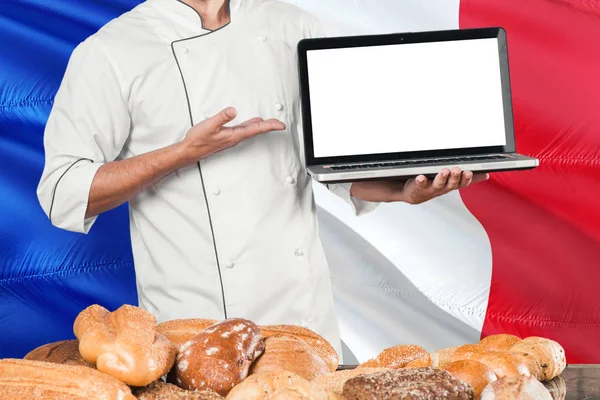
{"x": 189, "y": 111}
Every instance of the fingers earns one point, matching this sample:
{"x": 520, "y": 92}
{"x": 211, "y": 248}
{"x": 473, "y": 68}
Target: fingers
{"x": 480, "y": 177}
{"x": 242, "y": 132}
{"x": 454, "y": 179}
{"x": 467, "y": 178}
{"x": 439, "y": 182}
{"x": 226, "y": 115}
{"x": 251, "y": 121}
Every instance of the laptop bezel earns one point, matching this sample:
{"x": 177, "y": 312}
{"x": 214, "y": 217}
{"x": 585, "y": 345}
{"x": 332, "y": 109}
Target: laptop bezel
{"x": 306, "y": 45}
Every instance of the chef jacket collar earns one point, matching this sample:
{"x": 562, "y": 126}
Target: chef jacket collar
{"x": 181, "y": 10}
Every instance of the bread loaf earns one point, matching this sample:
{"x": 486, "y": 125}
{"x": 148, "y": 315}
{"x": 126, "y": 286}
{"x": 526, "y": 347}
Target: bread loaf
{"x": 62, "y": 352}
{"x": 408, "y": 383}
{"x": 283, "y": 352}
{"x": 516, "y": 388}
{"x": 473, "y": 372}
{"x": 263, "y": 385}
{"x": 503, "y": 363}
{"x": 321, "y": 346}
{"x": 544, "y": 357}
{"x": 468, "y": 352}
{"x": 499, "y": 342}
{"x": 27, "y": 379}
{"x": 334, "y": 381}
{"x": 179, "y": 331}
{"x": 160, "y": 390}
{"x": 302, "y": 391}
{"x": 399, "y": 357}
{"x": 219, "y": 357}
{"x": 443, "y": 356}
{"x": 124, "y": 344}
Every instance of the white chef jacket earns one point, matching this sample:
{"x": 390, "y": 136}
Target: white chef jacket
{"x": 236, "y": 234}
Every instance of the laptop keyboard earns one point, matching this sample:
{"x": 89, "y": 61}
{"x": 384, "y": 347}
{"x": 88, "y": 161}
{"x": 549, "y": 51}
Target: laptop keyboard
{"x": 448, "y": 160}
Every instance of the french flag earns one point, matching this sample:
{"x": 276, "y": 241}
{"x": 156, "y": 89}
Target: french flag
{"x": 517, "y": 254}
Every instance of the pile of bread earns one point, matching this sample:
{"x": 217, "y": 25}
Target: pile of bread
{"x": 125, "y": 355}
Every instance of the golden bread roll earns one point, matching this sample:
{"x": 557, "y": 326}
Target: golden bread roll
{"x": 124, "y": 344}
{"x": 323, "y": 348}
{"x": 557, "y": 388}
{"x": 474, "y": 373}
{"x": 180, "y": 331}
{"x": 516, "y": 388}
{"x": 503, "y": 363}
{"x": 263, "y": 385}
{"x": 544, "y": 357}
{"x": 219, "y": 357}
{"x": 499, "y": 342}
{"x": 334, "y": 381}
{"x": 62, "y": 352}
{"x": 468, "y": 352}
{"x": 27, "y": 379}
{"x": 399, "y": 357}
{"x": 289, "y": 353}
{"x": 443, "y": 356}
{"x": 160, "y": 390}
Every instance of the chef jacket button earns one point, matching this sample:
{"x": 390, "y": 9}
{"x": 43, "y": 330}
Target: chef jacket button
{"x": 216, "y": 192}
{"x": 299, "y": 252}
{"x": 278, "y": 106}
{"x": 262, "y": 38}
{"x": 290, "y": 180}
{"x": 229, "y": 264}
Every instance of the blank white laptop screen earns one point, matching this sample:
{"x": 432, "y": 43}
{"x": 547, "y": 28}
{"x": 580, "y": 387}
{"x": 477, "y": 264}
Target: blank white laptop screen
{"x": 408, "y": 97}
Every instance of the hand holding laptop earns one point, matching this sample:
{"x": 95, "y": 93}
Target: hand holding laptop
{"x": 415, "y": 190}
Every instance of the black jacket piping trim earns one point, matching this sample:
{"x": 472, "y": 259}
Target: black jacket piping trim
{"x": 200, "y": 171}
{"x": 57, "y": 182}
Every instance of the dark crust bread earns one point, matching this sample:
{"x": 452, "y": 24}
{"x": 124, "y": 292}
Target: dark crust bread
{"x": 407, "y": 384}
{"x": 62, "y": 352}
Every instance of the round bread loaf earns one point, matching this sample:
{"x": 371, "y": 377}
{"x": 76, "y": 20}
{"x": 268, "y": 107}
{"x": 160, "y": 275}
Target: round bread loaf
{"x": 516, "y": 388}
{"x": 334, "y": 381}
{"x": 160, "y": 390}
{"x": 499, "y": 342}
{"x": 288, "y": 353}
{"x": 321, "y": 346}
{"x": 301, "y": 391}
{"x": 407, "y": 384}
{"x": 473, "y": 372}
{"x": 544, "y": 357}
{"x": 503, "y": 363}
{"x": 62, "y": 352}
{"x": 180, "y": 331}
{"x": 219, "y": 357}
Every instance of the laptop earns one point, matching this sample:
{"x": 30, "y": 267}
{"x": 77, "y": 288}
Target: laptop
{"x": 406, "y": 104}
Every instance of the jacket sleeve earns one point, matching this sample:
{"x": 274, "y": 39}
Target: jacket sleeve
{"x": 359, "y": 207}
{"x": 87, "y": 127}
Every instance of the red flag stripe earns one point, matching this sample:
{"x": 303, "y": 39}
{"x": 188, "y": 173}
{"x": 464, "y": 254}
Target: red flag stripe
{"x": 544, "y": 225}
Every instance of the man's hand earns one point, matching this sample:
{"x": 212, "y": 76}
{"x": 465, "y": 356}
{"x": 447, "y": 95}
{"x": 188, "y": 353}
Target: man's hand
{"x": 211, "y": 136}
{"x": 415, "y": 190}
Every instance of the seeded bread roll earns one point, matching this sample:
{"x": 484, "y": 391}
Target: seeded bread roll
{"x": 545, "y": 358}
{"x": 407, "y": 384}
{"x": 62, "y": 352}
{"x": 219, "y": 357}
{"x": 516, "y": 388}
{"x": 283, "y": 352}
{"x": 443, "y": 357}
{"x": 399, "y": 357}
